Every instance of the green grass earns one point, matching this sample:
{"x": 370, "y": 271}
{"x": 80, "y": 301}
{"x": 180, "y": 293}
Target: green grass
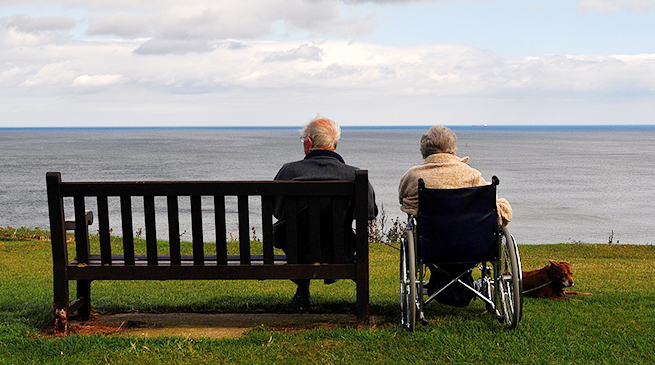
{"x": 614, "y": 326}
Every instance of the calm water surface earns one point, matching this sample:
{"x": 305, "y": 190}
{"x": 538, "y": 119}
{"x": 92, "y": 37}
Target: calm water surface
{"x": 564, "y": 184}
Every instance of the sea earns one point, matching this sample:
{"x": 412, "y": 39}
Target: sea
{"x": 586, "y": 184}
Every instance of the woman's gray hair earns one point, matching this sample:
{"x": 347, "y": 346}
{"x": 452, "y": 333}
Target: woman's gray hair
{"x": 439, "y": 139}
{"x": 325, "y": 133}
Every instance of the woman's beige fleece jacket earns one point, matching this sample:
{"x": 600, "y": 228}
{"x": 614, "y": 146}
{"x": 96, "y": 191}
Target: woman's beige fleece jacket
{"x": 444, "y": 171}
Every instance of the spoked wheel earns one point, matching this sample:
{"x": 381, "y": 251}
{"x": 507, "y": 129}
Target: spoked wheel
{"x": 408, "y": 282}
{"x": 509, "y": 282}
{"x": 487, "y": 288}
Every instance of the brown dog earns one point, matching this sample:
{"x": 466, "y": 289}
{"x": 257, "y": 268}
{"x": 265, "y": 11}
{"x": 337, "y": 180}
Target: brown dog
{"x": 549, "y": 281}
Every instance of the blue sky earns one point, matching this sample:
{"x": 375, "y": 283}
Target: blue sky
{"x": 518, "y": 28}
{"x": 269, "y": 63}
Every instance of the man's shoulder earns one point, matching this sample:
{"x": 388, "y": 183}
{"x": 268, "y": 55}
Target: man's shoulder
{"x": 288, "y": 170}
{"x": 318, "y": 161}
{"x": 292, "y": 164}
{"x": 316, "y": 169}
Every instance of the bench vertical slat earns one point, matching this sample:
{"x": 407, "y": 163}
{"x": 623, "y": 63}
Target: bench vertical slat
{"x": 361, "y": 226}
{"x": 174, "y": 230}
{"x": 314, "y": 230}
{"x": 291, "y": 248}
{"x": 196, "y": 231}
{"x": 82, "y": 248}
{"x": 338, "y": 229}
{"x": 103, "y": 230}
{"x": 219, "y": 221}
{"x": 267, "y": 228}
{"x": 83, "y": 251}
{"x": 128, "y": 235}
{"x": 58, "y": 241}
{"x": 151, "y": 230}
{"x": 244, "y": 230}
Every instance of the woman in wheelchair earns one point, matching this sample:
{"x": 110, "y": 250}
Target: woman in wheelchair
{"x": 459, "y": 223}
{"x": 442, "y": 169}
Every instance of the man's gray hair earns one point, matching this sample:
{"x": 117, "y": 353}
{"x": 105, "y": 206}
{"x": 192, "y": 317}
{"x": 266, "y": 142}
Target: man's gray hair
{"x": 439, "y": 139}
{"x": 325, "y": 133}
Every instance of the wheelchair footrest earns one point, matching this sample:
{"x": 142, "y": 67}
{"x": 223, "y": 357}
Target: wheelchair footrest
{"x": 423, "y": 320}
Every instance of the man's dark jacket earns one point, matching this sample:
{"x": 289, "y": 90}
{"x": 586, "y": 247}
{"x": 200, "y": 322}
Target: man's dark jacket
{"x": 319, "y": 165}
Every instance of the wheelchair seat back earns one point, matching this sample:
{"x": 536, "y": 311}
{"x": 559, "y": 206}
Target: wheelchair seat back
{"x": 457, "y": 226}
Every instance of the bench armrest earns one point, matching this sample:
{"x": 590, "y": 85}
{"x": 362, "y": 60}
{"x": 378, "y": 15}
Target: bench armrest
{"x": 88, "y": 218}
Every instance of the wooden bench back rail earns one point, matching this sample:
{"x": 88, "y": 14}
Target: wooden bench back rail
{"x": 128, "y": 266}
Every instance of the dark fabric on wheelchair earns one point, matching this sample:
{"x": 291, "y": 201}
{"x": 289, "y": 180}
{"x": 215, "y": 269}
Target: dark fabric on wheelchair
{"x": 456, "y": 294}
{"x": 457, "y": 225}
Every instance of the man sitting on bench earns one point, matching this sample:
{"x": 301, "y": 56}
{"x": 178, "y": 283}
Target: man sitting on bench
{"x": 321, "y": 162}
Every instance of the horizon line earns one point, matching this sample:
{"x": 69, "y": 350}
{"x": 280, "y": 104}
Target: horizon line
{"x": 417, "y": 126}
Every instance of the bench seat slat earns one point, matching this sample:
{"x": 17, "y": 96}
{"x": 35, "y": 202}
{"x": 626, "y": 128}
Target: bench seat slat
{"x": 165, "y": 260}
{"x": 229, "y": 272}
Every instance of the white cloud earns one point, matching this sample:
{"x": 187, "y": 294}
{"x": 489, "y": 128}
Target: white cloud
{"x": 304, "y": 52}
{"x": 55, "y": 74}
{"x": 99, "y": 5}
{"x": 177, "y": 46}
{"x": 121, "y": 24}
{"x": 22, "y": 30}
{"x": 397, "y": 2}
{"x": 210, "y": 20}
{"x": 96, "y": 80}
{"x": 614, "y": 6}
{"x": 22, "y": 23}
{"x": 217, "y": 66}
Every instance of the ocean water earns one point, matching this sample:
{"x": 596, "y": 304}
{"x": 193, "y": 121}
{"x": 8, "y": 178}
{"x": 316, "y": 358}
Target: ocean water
{"x": 565, "y": 184}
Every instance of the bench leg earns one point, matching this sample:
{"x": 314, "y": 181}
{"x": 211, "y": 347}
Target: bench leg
{"x": 61, "y": 301}
{"x": 84, "y": 294}
{"x": 362, "y": 302}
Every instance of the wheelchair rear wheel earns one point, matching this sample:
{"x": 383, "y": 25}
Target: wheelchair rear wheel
{"x": 408, "y": 282}
{"x": 509, "y": 280}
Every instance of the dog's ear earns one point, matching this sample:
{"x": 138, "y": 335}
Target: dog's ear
{"x": 554, "y": 263}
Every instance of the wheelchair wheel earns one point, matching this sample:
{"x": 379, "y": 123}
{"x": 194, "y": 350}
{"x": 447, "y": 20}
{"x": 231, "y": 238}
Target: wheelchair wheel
{"x": 509, "y": 282}
{"x": 408, "y": 282}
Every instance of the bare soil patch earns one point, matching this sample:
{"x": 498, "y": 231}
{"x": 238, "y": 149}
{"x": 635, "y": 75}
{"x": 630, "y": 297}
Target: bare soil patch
{"x": 219, "y": 325}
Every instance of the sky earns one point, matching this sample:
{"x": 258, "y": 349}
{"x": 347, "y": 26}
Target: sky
{"x": 150, "y": 63}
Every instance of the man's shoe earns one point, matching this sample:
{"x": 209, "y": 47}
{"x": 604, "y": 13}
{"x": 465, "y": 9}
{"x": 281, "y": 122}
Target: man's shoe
{"x": 302, "y": 300}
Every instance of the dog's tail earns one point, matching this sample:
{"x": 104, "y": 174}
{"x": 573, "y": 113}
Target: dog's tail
{"x": 576, "y": 293}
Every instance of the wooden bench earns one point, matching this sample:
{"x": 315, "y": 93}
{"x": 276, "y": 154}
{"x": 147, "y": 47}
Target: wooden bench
{"x": 88, "y": 266}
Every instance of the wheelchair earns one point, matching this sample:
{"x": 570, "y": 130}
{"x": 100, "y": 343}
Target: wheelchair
{"x": 455, "y": 232}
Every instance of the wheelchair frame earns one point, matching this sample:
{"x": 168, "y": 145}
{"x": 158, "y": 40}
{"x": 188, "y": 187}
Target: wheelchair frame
{"x": 501, "y": 284}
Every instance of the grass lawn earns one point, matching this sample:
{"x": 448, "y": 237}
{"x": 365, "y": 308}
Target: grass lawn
{"x": 614, "y": 326}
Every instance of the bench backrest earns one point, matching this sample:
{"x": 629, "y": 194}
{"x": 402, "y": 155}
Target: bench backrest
{"x": 292, "y": 191}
